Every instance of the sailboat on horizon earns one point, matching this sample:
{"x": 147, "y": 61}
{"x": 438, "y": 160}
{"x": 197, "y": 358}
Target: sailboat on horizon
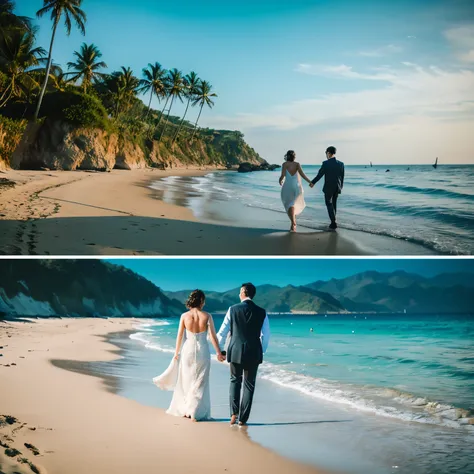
{"x": 435, "y": 163}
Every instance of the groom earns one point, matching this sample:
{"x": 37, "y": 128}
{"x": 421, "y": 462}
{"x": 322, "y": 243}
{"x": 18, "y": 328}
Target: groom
{"x": 333, "y": 172}
{"x": 249, "y": 336}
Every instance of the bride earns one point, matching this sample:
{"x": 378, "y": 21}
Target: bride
{"x": 188, "y": 373}
{"x": 292, "y": 192}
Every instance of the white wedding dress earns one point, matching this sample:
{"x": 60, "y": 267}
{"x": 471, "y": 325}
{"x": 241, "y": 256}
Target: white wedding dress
{"x": 189, "y": 378}
{"x": 292, "y": 193}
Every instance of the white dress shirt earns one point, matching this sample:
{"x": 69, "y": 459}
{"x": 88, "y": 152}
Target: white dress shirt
{"x": 225, "y": 328}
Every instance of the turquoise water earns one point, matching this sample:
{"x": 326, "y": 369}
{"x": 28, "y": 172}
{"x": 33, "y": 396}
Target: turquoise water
{"x": 380, "y": 395}
{"x": 413, "y": 370}
{"x": 433, "y": 208}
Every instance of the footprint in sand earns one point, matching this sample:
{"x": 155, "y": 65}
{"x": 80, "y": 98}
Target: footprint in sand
{"x": 32, "y": 466}
{"x": 12, "y": 452}
{"x": 32, "y": 448}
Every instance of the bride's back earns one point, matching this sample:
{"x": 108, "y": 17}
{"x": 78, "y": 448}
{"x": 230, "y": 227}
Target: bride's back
{"x": 292, "y": 167}
{"x": 196, "y": 320}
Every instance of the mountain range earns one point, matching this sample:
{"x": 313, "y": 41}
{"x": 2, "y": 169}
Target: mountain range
{"x": 99, "y": 288}
{"x": 369, "y": 291}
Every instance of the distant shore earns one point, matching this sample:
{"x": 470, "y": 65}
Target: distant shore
{"x": 82, "y": 213}
{"x": 64, "y": 422}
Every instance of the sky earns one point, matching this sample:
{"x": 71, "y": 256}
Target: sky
{"x": 387, "y": 82}
{"x": 226, "y": 274}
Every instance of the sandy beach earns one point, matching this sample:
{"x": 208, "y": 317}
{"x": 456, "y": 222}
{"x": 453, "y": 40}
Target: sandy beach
{"x": 64, "y": 422}
{"x": 82, "y": 213}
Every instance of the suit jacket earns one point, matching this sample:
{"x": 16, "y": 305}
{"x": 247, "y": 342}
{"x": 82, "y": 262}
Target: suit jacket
{"x": 246, "y": 321}
{"x": 333, "y": 172}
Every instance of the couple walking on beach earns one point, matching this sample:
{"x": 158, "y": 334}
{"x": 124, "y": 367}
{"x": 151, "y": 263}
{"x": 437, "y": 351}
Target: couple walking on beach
{"x": 292, "y": 195}
{"x": 189, "y": 371}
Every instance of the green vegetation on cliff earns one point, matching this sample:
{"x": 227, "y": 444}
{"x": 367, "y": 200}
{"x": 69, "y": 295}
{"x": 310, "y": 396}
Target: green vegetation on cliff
{"x": 78, "y": 288}
{"x": 87, "y": 97}
{"x": 11, "y": 132}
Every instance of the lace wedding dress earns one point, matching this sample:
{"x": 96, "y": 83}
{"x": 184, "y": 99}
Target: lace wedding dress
{"x": 292, "y": 193}
{"x": 189, "y": 378}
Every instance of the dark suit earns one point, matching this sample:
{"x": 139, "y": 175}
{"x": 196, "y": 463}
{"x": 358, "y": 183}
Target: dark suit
{"x": 244, "y": 354}
{"x": 333, "y": 172}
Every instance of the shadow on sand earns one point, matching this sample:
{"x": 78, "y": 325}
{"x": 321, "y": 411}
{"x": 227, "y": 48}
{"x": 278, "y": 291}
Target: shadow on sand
{"x": 132, "y": 235}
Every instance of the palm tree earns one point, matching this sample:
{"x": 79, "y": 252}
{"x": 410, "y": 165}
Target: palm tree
{"x": 71, "y": 11}
{"x": 128, "y": 85}
{"x": 122, "y": 86}
{"x": 87, "y": 65}
{"x": 203, "y": 97}
{"x": 8, "y": 20}
{"x": 154, "y": 82}
{"x": 58, "y": 78}
{"x": 18, "y": 58}
{"x": 175, "y": 91}
{"x": 191, "y": 83}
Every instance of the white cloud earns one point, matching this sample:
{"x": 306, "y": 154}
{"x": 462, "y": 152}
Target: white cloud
{"x": 461, "y": 39}
{"x": 467, "y": 57}
{"x": 343, "y": 71}
{"x": 382, "y": 51}
{"x": 409, "y": 90}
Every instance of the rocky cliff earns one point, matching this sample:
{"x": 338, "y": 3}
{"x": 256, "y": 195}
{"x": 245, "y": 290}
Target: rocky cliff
{"x": 78, "y": 288}
{"x": 62, "y": 146}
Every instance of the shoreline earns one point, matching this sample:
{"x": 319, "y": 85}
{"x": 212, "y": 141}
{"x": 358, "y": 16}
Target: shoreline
{"x": 92, "y": 213}
{"x": 65, "y": 414}
{"x": 286, "y": 420}
{"x": 80, "y": 213}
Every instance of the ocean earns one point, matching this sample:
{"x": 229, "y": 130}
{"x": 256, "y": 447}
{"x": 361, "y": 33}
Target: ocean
{"x": 397, "y": 392}
{"x": 433, "y": 208}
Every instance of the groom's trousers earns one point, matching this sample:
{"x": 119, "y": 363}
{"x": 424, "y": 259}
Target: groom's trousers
{"x": 331, "y": 204}
{"x": 249, "y": 375}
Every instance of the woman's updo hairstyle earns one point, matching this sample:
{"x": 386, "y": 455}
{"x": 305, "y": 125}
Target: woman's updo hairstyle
{"x": 290, "y": 155}
{"x": 196, "y": 299}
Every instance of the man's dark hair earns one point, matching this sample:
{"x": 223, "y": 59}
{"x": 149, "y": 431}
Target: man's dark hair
{"x": 331, "y": 149}
{"x": 249, "y": 290}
